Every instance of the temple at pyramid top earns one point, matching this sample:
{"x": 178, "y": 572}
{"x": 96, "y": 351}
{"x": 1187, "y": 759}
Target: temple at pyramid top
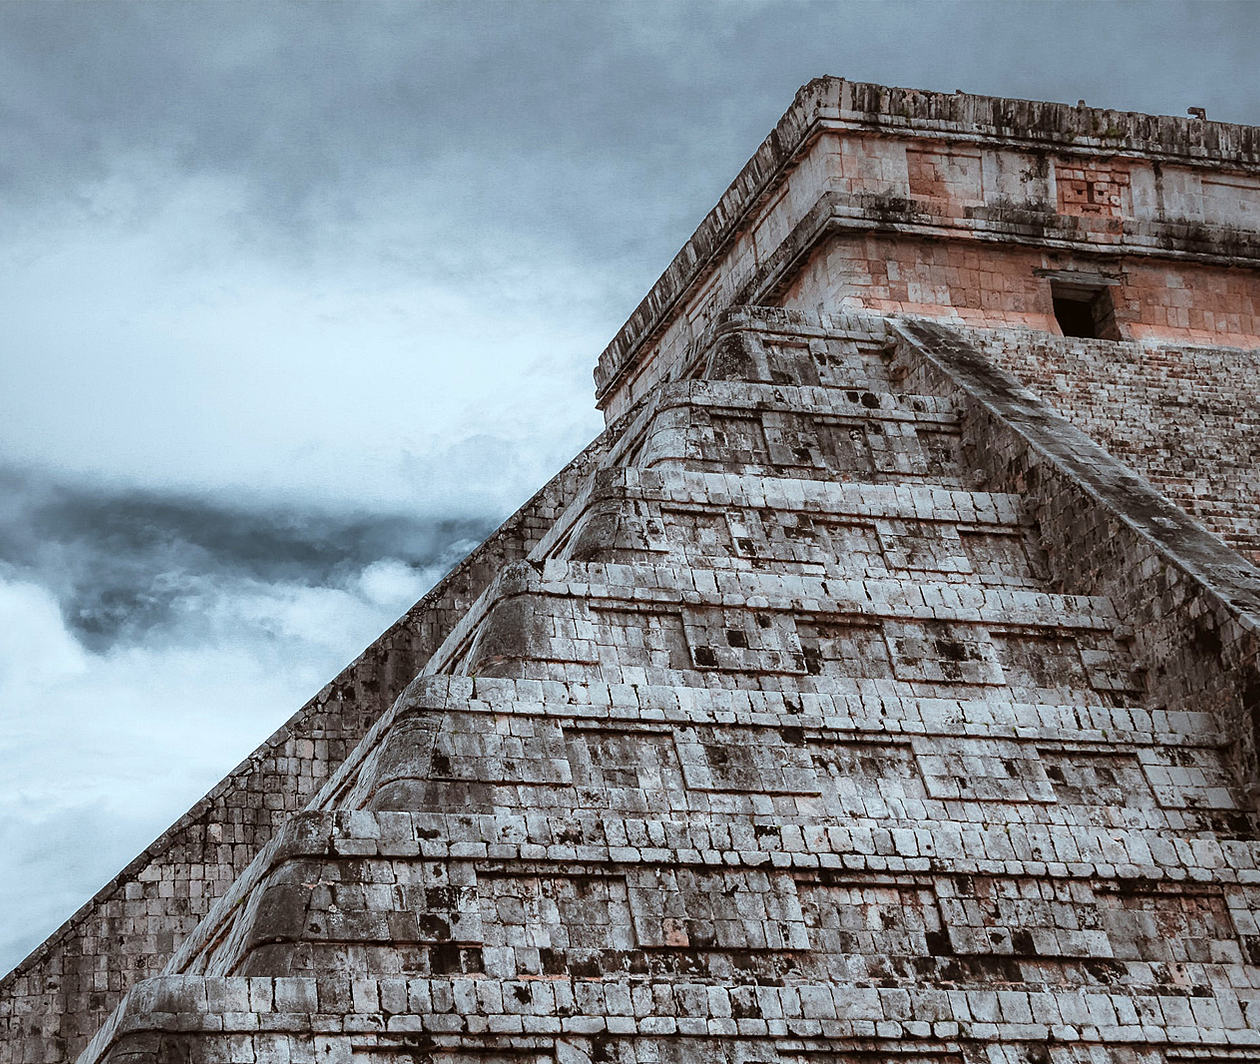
{"x": 837, "y": 207}
{"x": 882, "y": 684}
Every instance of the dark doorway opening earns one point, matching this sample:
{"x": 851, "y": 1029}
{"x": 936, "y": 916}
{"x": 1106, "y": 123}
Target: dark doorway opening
{"x": 1083, "y": 310}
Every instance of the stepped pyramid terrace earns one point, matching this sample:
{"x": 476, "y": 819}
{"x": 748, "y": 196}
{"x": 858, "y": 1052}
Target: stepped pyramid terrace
{"x": 881, "y": 685}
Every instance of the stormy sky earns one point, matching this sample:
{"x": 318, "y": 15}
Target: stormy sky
{"x": 298, "y": 301}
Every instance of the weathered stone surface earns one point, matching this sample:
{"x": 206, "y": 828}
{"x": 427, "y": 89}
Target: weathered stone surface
{"x": 857, "y": 696}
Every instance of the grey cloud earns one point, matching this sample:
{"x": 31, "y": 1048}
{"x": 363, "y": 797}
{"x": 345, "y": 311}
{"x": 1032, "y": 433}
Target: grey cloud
{"x": 125, "y": 565}
{"x": 149, "y": 640}
{"x": 578, "y": 120}
{"x": 315, "y": 106}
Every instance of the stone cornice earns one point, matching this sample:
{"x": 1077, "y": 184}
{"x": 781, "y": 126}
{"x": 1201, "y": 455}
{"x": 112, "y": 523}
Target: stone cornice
{"x": 1001, "y": 120}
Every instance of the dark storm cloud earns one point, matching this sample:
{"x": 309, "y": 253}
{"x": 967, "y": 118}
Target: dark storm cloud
{"x": 606, "y": 126}
{"x": 126, "y": 566}
{"x": 149, "y": 640}
{"x": 139, "y": 628}
{"x": 314, "y": 107}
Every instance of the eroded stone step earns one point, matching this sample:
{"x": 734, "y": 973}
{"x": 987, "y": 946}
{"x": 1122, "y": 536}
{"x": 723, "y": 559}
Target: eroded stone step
{"x": 730, "y": 773}
{"x": 808, "y": 433}
{"x": 910, "y": 501}
{"x": 373, "y": 891}
{"x": 994, "y": 764}
{"x": 745, "y": 395}
{"x": 624, "y": 704}
{"x": 662, "y": 625}
{"x": 761, "y": 345}
{"x": 572, "y": 1020}
{"x": 651, "y": 586}
{"x": 727, "y": 521}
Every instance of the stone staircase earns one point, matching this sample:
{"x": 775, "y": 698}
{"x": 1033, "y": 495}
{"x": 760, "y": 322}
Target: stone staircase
{"x": 780, "y": 747}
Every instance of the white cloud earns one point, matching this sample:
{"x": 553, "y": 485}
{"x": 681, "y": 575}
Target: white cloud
{"x": 99, "y": 753}
{"x": 393, "y": 584}
{"x": 36, "y": 648}
{"x": 223, "y": 369}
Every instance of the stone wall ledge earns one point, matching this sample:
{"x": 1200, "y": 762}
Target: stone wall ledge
{"x": 838, "y": 497}
{"x": 945, "y": 849}
{"x": 640, "y": 586}
{"x": 882, "y": 717}
{"x": 884, "y": 720}
{"x": 332, "y": 1010}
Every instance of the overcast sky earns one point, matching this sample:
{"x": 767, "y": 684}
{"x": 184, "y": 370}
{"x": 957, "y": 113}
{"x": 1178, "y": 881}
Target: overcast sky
{"x": 297, "y": 302}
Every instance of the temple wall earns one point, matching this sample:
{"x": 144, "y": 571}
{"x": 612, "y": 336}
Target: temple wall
{"x": 1183, "y": 416}
{"x": 866, "y": 702}
{"x": 989, "y": 285}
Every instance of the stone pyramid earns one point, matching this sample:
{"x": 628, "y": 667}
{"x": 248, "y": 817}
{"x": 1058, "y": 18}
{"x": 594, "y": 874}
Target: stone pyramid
{"x": 849, "y": 700}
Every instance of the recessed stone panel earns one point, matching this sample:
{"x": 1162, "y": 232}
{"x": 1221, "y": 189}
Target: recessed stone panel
{"x": 1037, "y": 661}
{"x": 697, "y": 909}
{"x": 848, "y": 649}
{"x": 640, "y": 638}
{"x": 743, "y": 640}
{"x": 1000, "y": 557}
{"x": 860, "y": 925}
{"x": 617, "y": 762}
{"x": 1189, "y": 777}
{"x": 545, "y": 924}
{"x": 922, "y": 545}
{"x": 1092, "y": 777}
{"x": 500, "y": 748}
{"x": 876, "y": 778}
{"x": 737, "y": 439}
{"x": 939, "y": 652}
{"x": 1174, "y": 925}
{"x": 755, "y": 761}
{"x": 1022, "y": 917}
{"x": 982, "y": 769}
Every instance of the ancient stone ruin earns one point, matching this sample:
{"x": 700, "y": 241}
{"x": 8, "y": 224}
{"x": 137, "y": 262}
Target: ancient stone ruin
{"x": 881, "y": 685}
